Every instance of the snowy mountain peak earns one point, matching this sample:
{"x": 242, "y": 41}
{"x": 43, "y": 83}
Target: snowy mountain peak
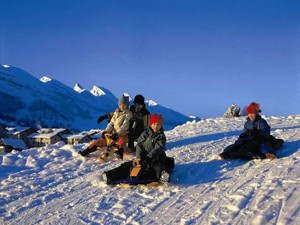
{"x": 152, "y": 103}
{"x": 45, "y": 79}
{"x": 96, "y": 91}
{"x": 78, "y": 88}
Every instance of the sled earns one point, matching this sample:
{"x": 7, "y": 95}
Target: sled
{"x": 148, "y": 185}
{"x": 135, "y": 182}
{"x": 147, "y": 182}
{"x": 132, "y": 173}
{"x": 107, "y": 153}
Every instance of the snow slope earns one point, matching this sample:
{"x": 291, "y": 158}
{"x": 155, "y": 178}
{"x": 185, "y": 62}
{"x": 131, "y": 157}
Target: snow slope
{"x": 29, "y": 101}
{"x": 54, "y": 185}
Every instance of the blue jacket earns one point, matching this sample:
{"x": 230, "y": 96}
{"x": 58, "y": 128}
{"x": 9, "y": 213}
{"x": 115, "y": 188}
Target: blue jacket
{"x": 258, "y": 127}
{"x": 257, "y": 131}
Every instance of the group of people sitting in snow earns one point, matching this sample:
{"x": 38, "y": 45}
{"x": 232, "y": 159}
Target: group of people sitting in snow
{"x": 130, "y": 124}
{"x": 134, "y": 124}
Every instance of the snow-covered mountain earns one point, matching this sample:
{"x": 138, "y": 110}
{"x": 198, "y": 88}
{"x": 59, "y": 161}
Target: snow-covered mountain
{"x": 55, "y": 185}
{"x": 47, "y": 102}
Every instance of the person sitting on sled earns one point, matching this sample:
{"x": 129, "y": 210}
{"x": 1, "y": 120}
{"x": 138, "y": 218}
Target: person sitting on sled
{"x": 116, "y": 129}
{"x": 151, "y": 147}
{"x": 255, "y": 141}
{"x": 139, "y": 122}
{"x": 150, "y": 157}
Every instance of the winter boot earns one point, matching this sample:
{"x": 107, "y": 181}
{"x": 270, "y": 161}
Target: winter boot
{"x": 103, "y": 157}
{"x": 88, "y": 151}
{"x": 119, "y": 153}
{"x": 223, "y": 155}
{"x": 164, "y": 177}
{"x": 104, "y": 178}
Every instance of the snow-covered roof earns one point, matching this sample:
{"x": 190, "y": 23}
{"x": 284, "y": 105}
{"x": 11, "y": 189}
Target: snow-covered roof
{"x": 96, "y": 135}
{"x": 77, "y": 136}
{"x": 42, "y": 135}
{"x": 83, "y": 134}
{"x": 16, "y": 143}
{"x": 17, "y": 129}
{"x": 51, "y": 130}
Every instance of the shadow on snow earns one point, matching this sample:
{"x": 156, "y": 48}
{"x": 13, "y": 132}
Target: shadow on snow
{"x": 288, "y": 149}
{"x": 201, "y": 138}
{"x": 203, "y": 172}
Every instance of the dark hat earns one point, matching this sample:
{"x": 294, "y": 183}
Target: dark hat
{"x": 253, "y": 108}
{"x": 139, "y": 99}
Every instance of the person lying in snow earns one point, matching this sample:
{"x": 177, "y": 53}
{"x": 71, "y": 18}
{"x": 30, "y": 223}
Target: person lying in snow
{"x": 255, "y": 141}
{"x": 151, "y": 163}
{"x": 118, "y": 128}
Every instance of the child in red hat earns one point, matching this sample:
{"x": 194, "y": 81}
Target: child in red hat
{"x": 150, "y": 149}
{"x": 150, "y": 156}
{"x": 256, "y": 140}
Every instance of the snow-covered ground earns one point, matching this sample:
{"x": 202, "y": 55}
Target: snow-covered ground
{"x": 54, "y": 185}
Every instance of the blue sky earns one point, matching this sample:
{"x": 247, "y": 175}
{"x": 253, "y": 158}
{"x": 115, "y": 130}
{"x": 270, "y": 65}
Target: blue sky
{"x": 196, "y": 57}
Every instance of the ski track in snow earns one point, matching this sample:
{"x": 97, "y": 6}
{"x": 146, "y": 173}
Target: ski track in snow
{"x": 54, "y": 185}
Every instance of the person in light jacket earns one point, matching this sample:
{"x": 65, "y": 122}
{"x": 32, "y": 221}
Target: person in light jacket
{"x": 117, "y": 129}
{"x": 138, "y": 123}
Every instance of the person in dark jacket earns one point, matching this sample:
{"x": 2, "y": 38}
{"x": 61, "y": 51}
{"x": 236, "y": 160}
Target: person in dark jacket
{"x": 139, "y": 122}
{"x": 255, "y": 141}
{"x": 150, "y": 154}
{"x": 151, "y": 145}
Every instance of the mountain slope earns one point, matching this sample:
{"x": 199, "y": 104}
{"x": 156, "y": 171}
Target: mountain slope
{"x": 54, "y": 185}
{"x": 49, "y": 103}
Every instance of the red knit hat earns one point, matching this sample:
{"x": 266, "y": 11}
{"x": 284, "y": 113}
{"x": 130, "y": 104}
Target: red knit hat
{"x": 253, "y": 108}
{"x": 156, "y": 118}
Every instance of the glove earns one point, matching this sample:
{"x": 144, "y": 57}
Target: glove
{"x": 103, "y": 134}
{"x": 136, "y": 162}
{"x": 101, "y": 118}
{"x": 115, "y": 136}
